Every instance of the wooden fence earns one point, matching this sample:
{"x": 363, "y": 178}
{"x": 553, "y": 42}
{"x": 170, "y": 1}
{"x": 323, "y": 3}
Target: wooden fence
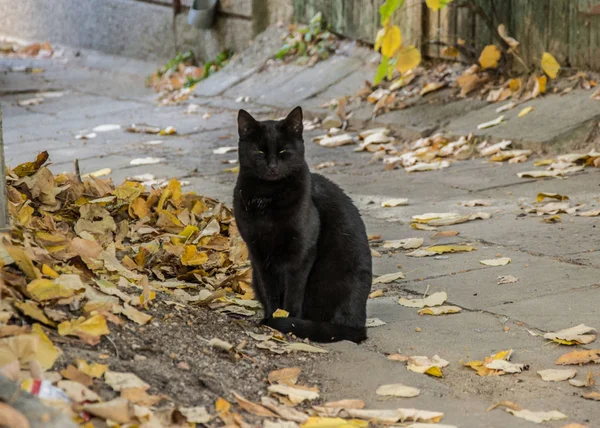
{"x": 569, "y": 29}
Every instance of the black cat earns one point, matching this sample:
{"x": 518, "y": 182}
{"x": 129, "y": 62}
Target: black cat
{"x": 307, "y": 243}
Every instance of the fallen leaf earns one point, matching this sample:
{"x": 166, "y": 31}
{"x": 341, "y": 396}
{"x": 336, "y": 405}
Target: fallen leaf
{"x": 431, "y": 87}
{"x": 539, "y": 174}
{"x": 501, "y": 261}
{"x": 295, "y": 394}
{"x": 592, "y": 395}
{"x": 391, "y": 203}
{"x": 398, "y": 390}
{"x": 538, "y": 417}
{"x": 489, "y": 57}
{"x": 440, "y": 249}
{"x": 407, "y": 244}
{"x": 346, "y": 404}
{"x": 508, "y": 279}
{"x": 557, "y": 375}
{"x": 374, "y": 322}
{"x": 77, "y": 392}
{"x": 579, "y": 357}
{"x": 375, "y": 294}
{"x": 505, "y": 366}
{"x": 491, "y": 123}
{"x": 505, "y": 403}
{"x": 543, "y": 195}
{"x": 436, "y": 299}
{"x": 482, "y": 369}
{"x": 550, "y": 66}
{"x": 304, "y": 347}
{"x": 12, "y": 418}
{"x": 195, "y": 415}
{"x": 46, "y": 289}
{"x": 288, "y": 376}
{"x": 253, "y": 408}
{"x": 336, "y": 140}
{"x": 74, "y": 374}
{"x": 592, "y": 213}
{"x": 395, "y": 415}
{"x": 88, "y": 330}
{"x": 122, "y": 380}
{"x": 502, "y": 31}
{"x": 578, "y": 335}
{"x": 328, "y": 422}
{"x": 145, "y": 161}
{"x": 118, "y": 410}
{"x": 440, "y": 310}
{"x": 46, "y": 353}
{"x": 425, "y": 365}
{"x": 94, "y": 370}
{"x": 140, "y": 396}
{"x": 526, "y": 111}
{"x": 387, "y": 278}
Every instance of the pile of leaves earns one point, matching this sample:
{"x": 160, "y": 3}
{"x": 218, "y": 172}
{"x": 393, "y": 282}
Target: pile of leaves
{"x": 307, "y": 44}
{"x": 175, "y": 81}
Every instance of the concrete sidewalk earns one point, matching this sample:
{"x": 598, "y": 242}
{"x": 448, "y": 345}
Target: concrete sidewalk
{"x": 558, "y": 265}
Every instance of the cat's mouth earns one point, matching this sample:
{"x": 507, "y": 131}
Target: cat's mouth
{"x": 272, "y": 176}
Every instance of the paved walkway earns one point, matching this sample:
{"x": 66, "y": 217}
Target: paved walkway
{"x": 558, "y": 265}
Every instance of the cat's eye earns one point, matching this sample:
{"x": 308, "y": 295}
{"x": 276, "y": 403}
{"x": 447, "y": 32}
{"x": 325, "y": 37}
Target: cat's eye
{"x": 260, "y": 152}
{"x": 282, "y": 151}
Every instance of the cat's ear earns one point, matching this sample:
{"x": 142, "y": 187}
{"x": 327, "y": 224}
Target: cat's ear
{"x": 247, "y": 125}
{"x": 293, "y": 121}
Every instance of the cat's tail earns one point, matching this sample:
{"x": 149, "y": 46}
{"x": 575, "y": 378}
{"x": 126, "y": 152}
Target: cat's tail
{"x": 317, "y": 331}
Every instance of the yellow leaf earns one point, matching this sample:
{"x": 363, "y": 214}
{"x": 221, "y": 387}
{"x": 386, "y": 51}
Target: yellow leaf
{"x": 552, "y": 219}
{"x": 171, "y": 192}
{"x": 526, "y": 111}
{"x": 281, "y": 313}
{"x": 440, "y": 310}
{"x": 139, "y": 208}
{"x": 432, "y": 86}
{"x": 441, "y": 249}
{"x": 324, "y": 422}
{"x": 437, "y": 4}
{"x": 192, "y": 257}
{"x": 543, "y": 195}
{"x": 434, "y": 371}
{"x": 32, "y": 310}
{"x": 129, "y": 190}
{"x": 450, "y": 51}
{"x": 391, "y": 42}
{"x": 222, "y": 405}
{"x": 46, "y": 289}
{"x": 88, "y": 330}
{"x": 25, "y": 214}
{"x": 48, "y": 271}
{"x": 23, "y": 347}
{"x": 489, "y": 57}
{"x": 46, "y": 353}
{"x": 169, "y": 130}
{"x": 541, "y": 81}
{"x": 550, "y": 66}
{"x": 407, "y": 58}
{"x": 515, "y": 84}
{"x": 23, "y": 261}
{"x": 29, "y": 168}
{"x": 188, "y": 231}
{"x": 94, "y": 370}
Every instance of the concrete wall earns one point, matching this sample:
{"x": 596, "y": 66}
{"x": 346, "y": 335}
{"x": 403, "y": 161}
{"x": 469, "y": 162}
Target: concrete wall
{"x": 133, "y": 28}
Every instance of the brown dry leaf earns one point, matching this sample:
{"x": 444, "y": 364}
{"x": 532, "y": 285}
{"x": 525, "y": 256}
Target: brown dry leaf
{"x": 592, "y": 395}
{"x": 118, "y": 410}
{"x": 503, "y": 32}
{"x": 391, "y": 203}
{"x": 288, "y": 376}
{"x": 543, "y": 195}
{"x": 445, "y": 234}
{"x": 481, "y": 367}
{"x": 501, "y": 261}
{"x": 431, "y": 366}
{"x": 253, "y": 408}
{"x": 395, "y": 415}
{"x": 141, "y": 397}
{"x": 305, "y": 347}
{"x": 31, "y": 309}
{"x": 407, "y": 244}
{"x": 375, "y": 294}
{"x": 74, "y": 374}
{"x": 431, "y": 87}
{"x": 46, "y": 289}
{"x": 296, "y": 394}
{"x": 579, "y": 357}
{"x": 507, "y": 404}
{"x": 195, "y": 415}
{"x": 440, "y": 249}
{"x": 94, "y": 370}
{"x": 22, "y": 348}
{"x": 346, "y": 404}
